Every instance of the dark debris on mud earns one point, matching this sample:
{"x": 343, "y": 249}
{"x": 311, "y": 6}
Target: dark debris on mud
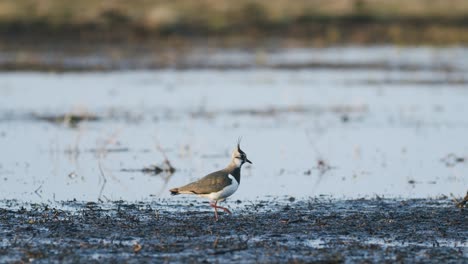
{"x": 314, "y": 230}
{"x": 153, "y": 170}
{"x": 69, "y": 119}
{"x": 463, "y": 203}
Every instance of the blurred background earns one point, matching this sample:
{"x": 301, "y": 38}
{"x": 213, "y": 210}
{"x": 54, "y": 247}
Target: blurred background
{"x": 140, "y": 34}
{"x": 107, "y": 100}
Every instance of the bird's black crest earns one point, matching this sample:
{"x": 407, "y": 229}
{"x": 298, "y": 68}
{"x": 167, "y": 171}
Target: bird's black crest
{"x": 238, "y": 145}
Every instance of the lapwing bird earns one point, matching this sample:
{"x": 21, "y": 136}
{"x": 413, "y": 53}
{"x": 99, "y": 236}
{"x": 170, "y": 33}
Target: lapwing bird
{"x": 219, "y": 185}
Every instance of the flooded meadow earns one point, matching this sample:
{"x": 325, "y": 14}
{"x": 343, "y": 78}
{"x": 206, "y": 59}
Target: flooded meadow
{"x": 355, "y": 135}
{"x": 349, "y": 131}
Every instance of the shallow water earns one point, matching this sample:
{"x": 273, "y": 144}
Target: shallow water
{"x": 347, "y": 133}
{"x": 323, "y": 243}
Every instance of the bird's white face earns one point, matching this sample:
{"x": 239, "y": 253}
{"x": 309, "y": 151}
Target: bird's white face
{"x": 239, "y": 157}
{"x": 237, "y": 161}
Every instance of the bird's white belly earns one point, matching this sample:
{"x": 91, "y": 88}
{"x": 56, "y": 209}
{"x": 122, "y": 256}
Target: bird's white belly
{"x": 224, "y": 193}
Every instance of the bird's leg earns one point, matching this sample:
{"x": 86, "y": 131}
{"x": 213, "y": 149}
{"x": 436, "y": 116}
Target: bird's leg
{"x": 220, "y": 207}
{"x": 215, "y": 207}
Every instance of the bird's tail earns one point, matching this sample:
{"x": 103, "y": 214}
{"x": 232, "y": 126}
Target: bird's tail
{"x": 174, "y": 191}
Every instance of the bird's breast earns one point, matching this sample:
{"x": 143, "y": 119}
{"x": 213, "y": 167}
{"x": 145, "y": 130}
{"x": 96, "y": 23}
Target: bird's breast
{"x": 226, "y": 191}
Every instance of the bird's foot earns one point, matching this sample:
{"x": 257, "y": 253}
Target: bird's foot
{"x": 225, "y": 209}
{"x": 220, "y": 207}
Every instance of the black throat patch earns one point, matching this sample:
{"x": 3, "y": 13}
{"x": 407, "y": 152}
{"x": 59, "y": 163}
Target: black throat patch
{"x": 236, "y": 174}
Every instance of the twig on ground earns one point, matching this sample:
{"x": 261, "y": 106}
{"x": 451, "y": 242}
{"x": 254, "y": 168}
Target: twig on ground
{"x": 462, "y": 203}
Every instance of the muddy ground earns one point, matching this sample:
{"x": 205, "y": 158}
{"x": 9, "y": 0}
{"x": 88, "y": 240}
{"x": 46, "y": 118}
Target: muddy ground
{"x": 275, "y": 230}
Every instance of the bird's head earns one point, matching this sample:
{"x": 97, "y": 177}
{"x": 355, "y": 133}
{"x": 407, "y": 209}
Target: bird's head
{"x": 238, "y": 156}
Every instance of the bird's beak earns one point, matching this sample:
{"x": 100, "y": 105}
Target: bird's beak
{"x": 247, "y": 160}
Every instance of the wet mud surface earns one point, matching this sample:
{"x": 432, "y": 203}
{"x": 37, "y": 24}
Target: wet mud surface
{"x": 274, "y": 230}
